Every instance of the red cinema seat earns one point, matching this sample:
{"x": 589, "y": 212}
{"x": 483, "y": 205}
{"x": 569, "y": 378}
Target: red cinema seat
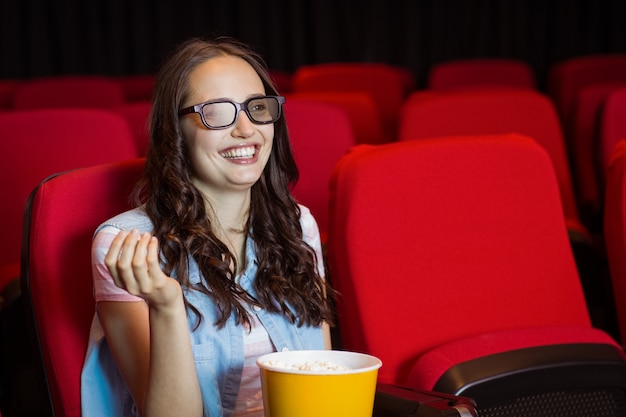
{"x": 137, "y": 114}
{"x": 612, "y": 126}
{"x": 407, "y": 77}
{"x": 137, "y": 87}
{"x": 320, "y": 135}
{"x": 68, "y": 91}
{"x": 7, "y": 90}
{"x": 615, "y": 228}
{"x": 61, "y": 216}
{"x": 282, "y": 80}
{"x": 386, "y": 84}
{"x": 453, "y": 264}
{"x": 39, "y": 143}
{"x": 360, "y": 108}
{"x": 481, "y": 72}
{"x": 567, "y": 78}
{"x": 494, "y": 111}
{"x": 586, "y": 153}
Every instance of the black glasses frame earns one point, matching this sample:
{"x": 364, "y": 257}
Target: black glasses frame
{"x": 238, "y": 106}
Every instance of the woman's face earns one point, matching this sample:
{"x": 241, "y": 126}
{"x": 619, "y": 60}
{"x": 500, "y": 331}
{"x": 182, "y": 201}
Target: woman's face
{"x": 230, "y": 159}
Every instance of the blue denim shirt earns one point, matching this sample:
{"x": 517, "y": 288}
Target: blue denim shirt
{"x": 219, "y": 354}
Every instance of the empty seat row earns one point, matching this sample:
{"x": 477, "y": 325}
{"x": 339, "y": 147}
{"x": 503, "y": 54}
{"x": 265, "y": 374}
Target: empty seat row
{"x": 425, "y": 114}
{"x": 614, "y": 223}
{"x": 579, "y": 87}
{"x": 467, "y": 111}
{"x": 496, "y": 181}
{"x": 493, "y": 111}
{"x": 431, "y": 113}
{"x": 74, "y": 91}
{"x": 434, "y": 279}
{"x": 584, "y": 146}
{"x": 572, "y": 87}
{"x": 42, "y": 143}
{"x": 453, "y": 261}
{"x": 39, "y": 143}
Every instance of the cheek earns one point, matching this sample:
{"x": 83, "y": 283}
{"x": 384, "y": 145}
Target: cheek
{"x": 201, "y": 150}
{"x": 189, "y": 135}
{"x": 269, "y": 138}
{"x": 200, "y": 140}
{"x": 267, "y": 151}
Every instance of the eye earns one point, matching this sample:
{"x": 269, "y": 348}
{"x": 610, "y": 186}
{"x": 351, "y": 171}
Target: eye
{"x": 218, "y": 114}
{"x": 257, "y": 106}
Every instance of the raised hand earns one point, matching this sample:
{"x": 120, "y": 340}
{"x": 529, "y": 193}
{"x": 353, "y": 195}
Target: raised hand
{"x": 133, "y": 260}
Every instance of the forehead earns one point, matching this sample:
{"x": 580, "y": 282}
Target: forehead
{"x": 224, "y": 77}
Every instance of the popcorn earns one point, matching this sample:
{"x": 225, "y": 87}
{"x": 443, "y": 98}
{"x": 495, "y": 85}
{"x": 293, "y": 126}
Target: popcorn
{"x": 315, "y": 366}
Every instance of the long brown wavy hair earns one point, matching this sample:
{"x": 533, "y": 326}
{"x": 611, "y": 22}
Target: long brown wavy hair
{"x": 287, "y": 280}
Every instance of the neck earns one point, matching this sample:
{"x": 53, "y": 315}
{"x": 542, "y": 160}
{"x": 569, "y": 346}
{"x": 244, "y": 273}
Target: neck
{"x": 229, "y": 216}
{"x": 229, "y": 212}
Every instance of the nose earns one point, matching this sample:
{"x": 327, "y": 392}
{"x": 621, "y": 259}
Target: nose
{"x": 244, "y": 127}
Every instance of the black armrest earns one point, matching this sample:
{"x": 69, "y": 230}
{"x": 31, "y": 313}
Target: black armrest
{"x": 522, "y": 372}
{"x": 397, "y": 401}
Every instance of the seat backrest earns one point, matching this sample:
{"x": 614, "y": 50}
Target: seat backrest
{"x": 585, "y": 144}
{"x": 320, "y": 135}
{"x": 359, "y": 107}
{"x": 61, "y": 217}
{"x": 386, "y": 84}
{"x": 483, "y": 72}
{"x": 137, "y": 87}
{"x": 408, "y": 78}
{"x": 7, "y": 89}
{"x": 39, "y": 143}
{"x": 282, "y": 80}
{"x": 492, "y": 111}
{"x": 439, "y": 239}
{"x": 68, "y": 91}
{"x": 612, "y": 125}
{"x": 566, "y": 78}
{"x": 615, "y": 228}
{"x": 137, "y": 114}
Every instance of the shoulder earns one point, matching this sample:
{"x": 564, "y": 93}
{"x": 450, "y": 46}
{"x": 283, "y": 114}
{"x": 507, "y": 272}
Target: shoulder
{"x": 306, "y": 217}
{"x": 136, "y": 218}
{"x": 310, "y": 229}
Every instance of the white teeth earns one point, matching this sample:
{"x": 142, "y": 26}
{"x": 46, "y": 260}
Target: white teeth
{"x": 239, "y": 153}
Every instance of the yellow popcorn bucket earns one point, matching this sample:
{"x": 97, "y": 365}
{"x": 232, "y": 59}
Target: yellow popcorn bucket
{"x": 318, "y": 383}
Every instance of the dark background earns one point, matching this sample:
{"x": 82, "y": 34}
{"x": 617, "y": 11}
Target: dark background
{"x": 118, "y": 37}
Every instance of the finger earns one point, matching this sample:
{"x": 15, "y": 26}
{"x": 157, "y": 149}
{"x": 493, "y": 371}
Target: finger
{"x": 113, "y": 254}
{"x": 124, "y": 263}
{"x": 140, "y": 264}
{"x": 166, "y": 289}
{"x": 154, "y": 266}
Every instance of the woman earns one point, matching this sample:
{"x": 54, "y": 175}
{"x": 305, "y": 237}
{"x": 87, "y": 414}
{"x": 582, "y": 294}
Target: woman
{"x": 218, "y": 264}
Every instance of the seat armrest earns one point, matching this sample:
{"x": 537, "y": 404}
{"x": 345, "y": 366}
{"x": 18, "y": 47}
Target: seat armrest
{"x": 578, "y": 364}
{"x": 398, "y": 401}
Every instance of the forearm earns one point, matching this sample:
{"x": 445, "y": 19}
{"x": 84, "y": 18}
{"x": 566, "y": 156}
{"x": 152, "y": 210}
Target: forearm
{"x": 151, "y": 345}
{"x": 326, "y": 334}
{"x": 173, "y": 388}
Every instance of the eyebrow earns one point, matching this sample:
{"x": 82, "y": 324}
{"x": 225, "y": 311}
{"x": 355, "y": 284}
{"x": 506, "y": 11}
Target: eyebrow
{"x": 254, "y": 95}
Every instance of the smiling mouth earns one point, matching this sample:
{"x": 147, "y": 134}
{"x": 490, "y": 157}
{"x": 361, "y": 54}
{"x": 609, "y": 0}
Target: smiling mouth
{"x": 239, "y": 153}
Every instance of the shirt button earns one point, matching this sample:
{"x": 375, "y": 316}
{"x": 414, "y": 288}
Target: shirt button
{"x": 285, "y": 349}
{"x": 256, "y": 308}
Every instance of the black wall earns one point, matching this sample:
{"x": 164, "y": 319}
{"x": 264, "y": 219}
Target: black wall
{"x": 41, "y": 37}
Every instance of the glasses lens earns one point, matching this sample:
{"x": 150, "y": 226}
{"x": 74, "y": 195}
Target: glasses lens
{"x": 219, "y": 114}
{"x": 264, "y": 109}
